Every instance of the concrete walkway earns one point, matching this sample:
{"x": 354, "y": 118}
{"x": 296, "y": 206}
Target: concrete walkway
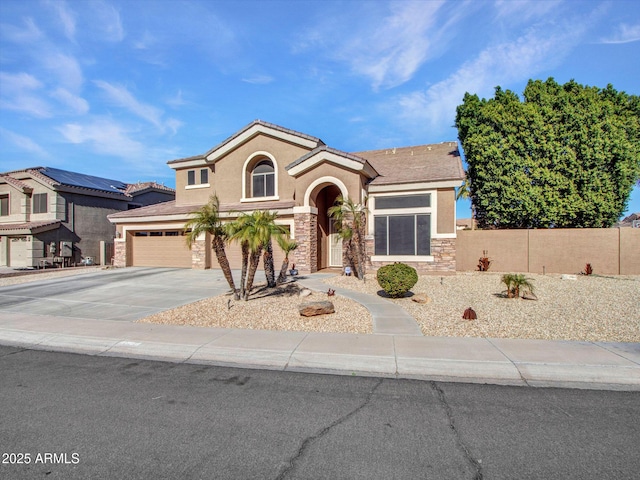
{"x": 398, "y": 352}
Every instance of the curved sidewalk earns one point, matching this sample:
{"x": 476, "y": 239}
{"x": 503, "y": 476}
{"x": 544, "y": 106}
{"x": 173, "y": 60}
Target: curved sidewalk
{"x": 395, "y": 350}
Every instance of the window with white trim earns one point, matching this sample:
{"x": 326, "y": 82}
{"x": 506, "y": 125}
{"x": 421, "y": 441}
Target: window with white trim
{"x": 400, "y": 231}
{"x": 263, "y": 179}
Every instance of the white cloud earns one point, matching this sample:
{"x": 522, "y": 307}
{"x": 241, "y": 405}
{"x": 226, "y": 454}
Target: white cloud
{"x": 123, "y": 98}
{"x": 624, "y": 34}
{"x": 19, "y": 93}
{"x": 65, "y": 16}
{"x": 499, "y": 64}
{"x": 29, "y": 34}
{"x": 104, "y": 136}
{"x": 521, "y": 11}
{"x": 65, "y": 68}
{"x": 105, "y": 21}
{"x": 258, "y": 79}
{"x": 22, "y": 142}
{"x": 78, "y": 104}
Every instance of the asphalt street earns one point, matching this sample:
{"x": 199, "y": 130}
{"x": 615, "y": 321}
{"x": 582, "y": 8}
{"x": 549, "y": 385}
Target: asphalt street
{"x": 69, "y": 416}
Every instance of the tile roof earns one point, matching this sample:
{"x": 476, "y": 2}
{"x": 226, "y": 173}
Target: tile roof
{"x": 137, "y": 188}
{"x": 170, "y": 208}
{"x": 243, "y": 130}
{"x": 422, "y": 163}
{"x": 29, "y": 227}
{"x": 19, "y": 184}
{"x": 325, "y": 148}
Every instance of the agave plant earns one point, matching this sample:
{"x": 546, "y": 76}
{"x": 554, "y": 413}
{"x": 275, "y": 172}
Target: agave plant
{"x": 517, "y": 283}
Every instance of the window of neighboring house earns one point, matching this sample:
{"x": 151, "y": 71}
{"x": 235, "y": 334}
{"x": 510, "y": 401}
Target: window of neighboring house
{"x": 263, "y": 179}
{"x": 4, "y": 205}
{"x": 191, "y": 177}
{"x": 39, "y": 201}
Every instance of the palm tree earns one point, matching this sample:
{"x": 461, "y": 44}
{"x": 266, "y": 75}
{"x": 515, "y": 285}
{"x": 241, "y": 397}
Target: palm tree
{"x": 287, "y": 245}
{"x": 464, "y": 192}
{"x": 237, "y": 231}
{"x": 350, "y": 220}
{"x": 254, "y": 231}
{"x": 207, "y": 220}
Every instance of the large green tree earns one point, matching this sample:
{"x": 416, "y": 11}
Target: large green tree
{"x": 563, "y": 156}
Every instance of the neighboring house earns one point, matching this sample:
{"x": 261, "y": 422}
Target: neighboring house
{"x": 632, "y": 220}
{"x": 50, "y": 216}
{"x": 410, "y": 195}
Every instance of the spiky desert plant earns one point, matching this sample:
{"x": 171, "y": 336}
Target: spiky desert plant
{"x": 516, "y": 283}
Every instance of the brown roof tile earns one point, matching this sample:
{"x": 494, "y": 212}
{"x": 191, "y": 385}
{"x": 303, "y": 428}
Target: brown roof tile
{"x": 422, "y": 163}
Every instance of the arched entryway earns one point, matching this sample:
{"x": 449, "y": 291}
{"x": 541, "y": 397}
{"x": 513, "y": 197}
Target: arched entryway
{"x": 329, "y": 247}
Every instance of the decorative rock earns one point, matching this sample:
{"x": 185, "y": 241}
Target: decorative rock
{"x": 316, "y": 308}
{"x": 470, "y": 314}
{"x": 420, "y": 298}
{"x": 305, "y": 292}
{"x": 566, "y": 276}
{"x": 529, "y": 296}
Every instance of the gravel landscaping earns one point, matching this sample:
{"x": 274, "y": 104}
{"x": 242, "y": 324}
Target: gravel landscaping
{"x": 590, "y": 308}
{"x": 269, "y": 310}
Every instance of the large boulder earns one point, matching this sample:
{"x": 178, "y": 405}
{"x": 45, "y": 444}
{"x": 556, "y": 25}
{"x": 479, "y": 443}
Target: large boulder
{"x": 312, "y": 309}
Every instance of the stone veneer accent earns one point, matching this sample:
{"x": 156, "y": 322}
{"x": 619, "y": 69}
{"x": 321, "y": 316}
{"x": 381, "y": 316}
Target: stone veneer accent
{"x": 199, "y": 254}
{"x": 443, "y": 251}
{"x": 119, "y": 252}
{"x": 305, "y": 256}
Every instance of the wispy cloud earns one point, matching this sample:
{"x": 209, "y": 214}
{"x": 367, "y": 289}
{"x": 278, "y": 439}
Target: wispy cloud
{"x": 624, "y": 34}
{"x": 106, "y": 22}
{"x": 20, "y": 93}
{"x": 76, "y": 103}
{"x": 104, "y": 136}
{"x": 22, "y": 142}
{"x": 522, "y": 11}
{"x": 258, "y": 79}
{"x": 65, "y": 68}
{"x": 22, "y": 35}
{"x": 123, "y": 98}
{"x": 518, "y": 60}
{"x": 65, "y": 15}
{"x": 387, "y": 48}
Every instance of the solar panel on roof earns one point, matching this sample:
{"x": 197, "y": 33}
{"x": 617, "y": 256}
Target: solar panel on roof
{"x": 82, "y": 180}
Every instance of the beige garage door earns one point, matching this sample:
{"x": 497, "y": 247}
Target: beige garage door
{"x": 160, "y": 249}
{"x": 18, "y": 251}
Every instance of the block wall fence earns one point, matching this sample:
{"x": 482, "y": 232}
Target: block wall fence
{"x": 610, "y": 251}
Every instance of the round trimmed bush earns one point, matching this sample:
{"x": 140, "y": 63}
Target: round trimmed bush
{"x": 397, "y": 279}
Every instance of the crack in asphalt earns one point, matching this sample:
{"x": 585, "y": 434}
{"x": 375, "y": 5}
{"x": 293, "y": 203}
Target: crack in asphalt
{"x": 475, "y": 464}
{"x": 13, "y": 353}
{"x": 306, "y": 444}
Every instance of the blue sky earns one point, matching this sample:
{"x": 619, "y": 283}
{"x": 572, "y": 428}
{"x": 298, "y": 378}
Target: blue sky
{"x": 118, "y": 88}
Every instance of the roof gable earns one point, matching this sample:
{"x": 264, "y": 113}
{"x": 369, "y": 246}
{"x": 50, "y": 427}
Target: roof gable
{"x": 324, "y": 153}
{"x": 255, "y": 128}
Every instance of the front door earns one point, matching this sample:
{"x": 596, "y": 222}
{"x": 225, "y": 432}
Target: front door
{"x": 335, "y": 248}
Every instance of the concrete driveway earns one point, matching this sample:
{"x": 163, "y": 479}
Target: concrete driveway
{"x": 122, "y": 294}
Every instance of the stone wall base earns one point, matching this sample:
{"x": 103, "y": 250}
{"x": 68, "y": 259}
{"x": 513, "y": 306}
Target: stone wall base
{"x": 119, "y": 252}
{"x": 443, "y": 251}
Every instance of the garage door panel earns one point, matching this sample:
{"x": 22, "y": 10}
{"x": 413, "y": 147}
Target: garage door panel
{"x": 161, "y": 252}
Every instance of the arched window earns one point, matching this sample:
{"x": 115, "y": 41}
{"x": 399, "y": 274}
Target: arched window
{"x": 263, "y": 179}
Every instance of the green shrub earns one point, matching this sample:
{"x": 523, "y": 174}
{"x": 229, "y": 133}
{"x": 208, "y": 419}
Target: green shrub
{"x": 397, "y": 279}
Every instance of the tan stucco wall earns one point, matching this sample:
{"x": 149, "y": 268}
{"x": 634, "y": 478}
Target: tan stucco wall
{"x": 352, "y": 181}
{"x": 610, "y": 251}
{"x": 446, "y": 210}
{"x": 226, "y": 176}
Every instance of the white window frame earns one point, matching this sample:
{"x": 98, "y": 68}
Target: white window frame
{"x": 430, "y": 210}
{"x": 247, "y": 179}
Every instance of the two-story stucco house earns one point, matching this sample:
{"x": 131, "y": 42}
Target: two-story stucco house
{"x": 50, "y": 216}
{"x": 410, "y": 195}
